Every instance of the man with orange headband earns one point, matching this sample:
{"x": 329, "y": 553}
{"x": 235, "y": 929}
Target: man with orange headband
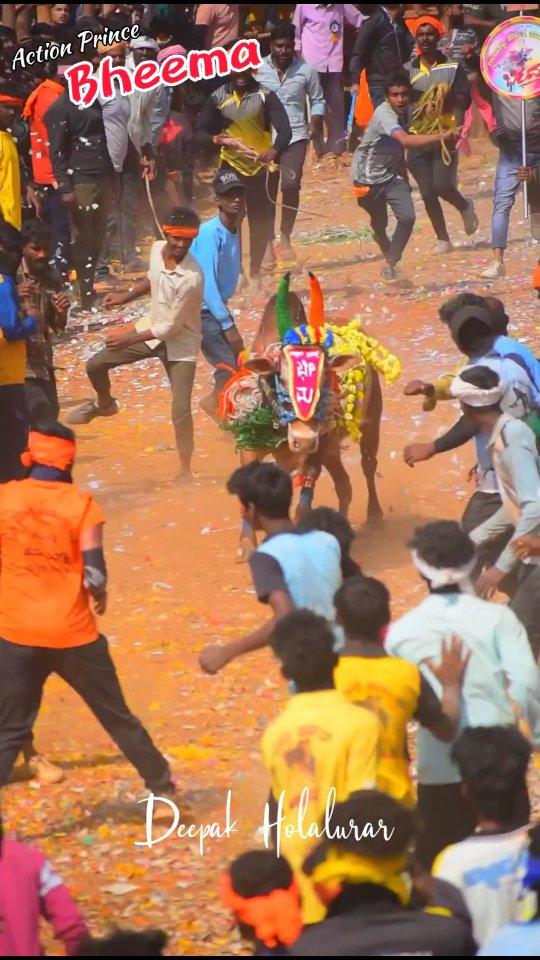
{"x": 171, "y": 332}
{"x": 10, "y": 177}
{"x": 53, "y": 581}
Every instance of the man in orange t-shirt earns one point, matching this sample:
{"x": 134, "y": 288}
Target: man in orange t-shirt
{"x": 52, "y": 573}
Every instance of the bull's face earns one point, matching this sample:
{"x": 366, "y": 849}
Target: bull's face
{"x": 301, "y": 382}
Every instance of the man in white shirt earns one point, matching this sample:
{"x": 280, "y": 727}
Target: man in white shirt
{"x": 501, "y": 672}
{"x": 171, "y": 331}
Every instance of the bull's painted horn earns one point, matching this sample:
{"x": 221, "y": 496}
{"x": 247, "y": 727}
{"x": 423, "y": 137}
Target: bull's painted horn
{"x": 316, "y": 306}
{"x": 284, "y": 320}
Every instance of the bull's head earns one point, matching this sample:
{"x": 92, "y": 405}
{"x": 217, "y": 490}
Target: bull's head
{"x": 299, "y": 371}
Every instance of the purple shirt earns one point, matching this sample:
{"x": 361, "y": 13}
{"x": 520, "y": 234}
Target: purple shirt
{"x": 319, "y": 33}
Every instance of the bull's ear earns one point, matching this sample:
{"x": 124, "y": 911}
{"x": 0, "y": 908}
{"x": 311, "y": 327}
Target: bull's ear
{"x": 262, "y": 366}
{"x": 343, "y": 361}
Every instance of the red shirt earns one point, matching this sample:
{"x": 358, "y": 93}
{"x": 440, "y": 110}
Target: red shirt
{"x": 34, "y": 111}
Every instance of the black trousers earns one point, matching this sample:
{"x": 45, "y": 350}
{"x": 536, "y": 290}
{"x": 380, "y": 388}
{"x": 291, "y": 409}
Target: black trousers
{"x": 90, "y": 217}
{"x": 436, "y": 181}
{"x": 260, "y": 215}
{"x": 13, "y": 431}
{"x": 396, "y": 194}
{"x": 90, "y": 671}
{"x": 291, "y": 166}
{"x": 56, "y": 215}
{"x": 41, "y": 399}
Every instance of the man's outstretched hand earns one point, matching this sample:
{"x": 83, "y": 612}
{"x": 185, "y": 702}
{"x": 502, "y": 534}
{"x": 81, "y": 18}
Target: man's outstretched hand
{"x": 416, "y": 452}
{"x": 213, "y": 658}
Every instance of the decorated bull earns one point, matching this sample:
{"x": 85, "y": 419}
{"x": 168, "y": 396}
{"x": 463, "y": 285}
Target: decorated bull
{"x": 305, "y": 386}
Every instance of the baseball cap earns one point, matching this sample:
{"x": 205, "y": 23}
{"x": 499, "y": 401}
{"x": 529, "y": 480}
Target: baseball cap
{"x": 226, "y": 180}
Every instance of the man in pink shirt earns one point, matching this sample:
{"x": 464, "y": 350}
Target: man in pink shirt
{"x": 319, "y": 41}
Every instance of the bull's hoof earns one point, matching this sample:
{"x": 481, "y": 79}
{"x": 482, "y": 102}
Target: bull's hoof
{"x": 375, "y": 519}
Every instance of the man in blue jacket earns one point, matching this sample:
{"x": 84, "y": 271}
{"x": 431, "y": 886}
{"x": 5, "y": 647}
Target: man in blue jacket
{"x": 17, "y": 323}
{"x": 217, "y": 250}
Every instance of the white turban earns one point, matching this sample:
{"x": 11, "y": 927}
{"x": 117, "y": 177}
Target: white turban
{"x": 476, "y": 396}
{"x": 445, "y": 576}
{"x": 146, "y": 43}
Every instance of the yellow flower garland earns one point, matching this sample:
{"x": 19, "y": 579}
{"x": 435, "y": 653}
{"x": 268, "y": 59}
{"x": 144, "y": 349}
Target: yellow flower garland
{"x": 352, "y": 339}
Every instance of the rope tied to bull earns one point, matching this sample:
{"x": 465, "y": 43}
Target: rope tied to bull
{"x": 428, "y": 116}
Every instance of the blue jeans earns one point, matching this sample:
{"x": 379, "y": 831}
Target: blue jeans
{"x": 506, "y": 186}
{"x": 216, "y": 349}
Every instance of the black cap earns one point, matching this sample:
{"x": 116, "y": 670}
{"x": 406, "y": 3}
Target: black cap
{"x": 226, "y": 180}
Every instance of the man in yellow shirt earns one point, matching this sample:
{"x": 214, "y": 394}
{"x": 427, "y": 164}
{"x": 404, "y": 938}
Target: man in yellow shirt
{"x": 318, "y": 751}
{"x": 16, "y": 326}
{"x": 10, "y": 176}
{"x": 392, "y": 688}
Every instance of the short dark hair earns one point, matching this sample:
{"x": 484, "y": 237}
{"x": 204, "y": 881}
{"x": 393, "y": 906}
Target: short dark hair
{"x": 465, "y": 299}
{"x": 282, "y": 31}
{"x": 399, "y": 78}
{"x": 304, "y": 644}
{"x": 7, "y": 33}
{"x": 485, "y": 378}
{"x": 474, "y": 334}
{"x": 329, "y": 521}
{"x": 265, "y": 486}
{"x": 125, "y": 943}
{"x": 493, "y": 763}
{"x": 442, "y": 543}
{"x": 10, "y": 237}
{"x": 366, "y": 807}
{"x": 182, "y": 217}
{"x": 363, "y": 607}
{"x": 34, "y": 231}
{"x": 256, "y": 873}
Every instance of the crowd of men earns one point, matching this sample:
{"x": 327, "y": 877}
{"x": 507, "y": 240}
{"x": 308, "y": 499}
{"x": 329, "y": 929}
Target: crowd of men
{"x": 456, "y": 870}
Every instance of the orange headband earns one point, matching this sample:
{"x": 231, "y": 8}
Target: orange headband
{"x": 274, "y": 917}
{"x": 6, "y": 98}
{"x": 431, "y": 21}
{"x": 50, "y": 451}
{"x": 187, "y": 232}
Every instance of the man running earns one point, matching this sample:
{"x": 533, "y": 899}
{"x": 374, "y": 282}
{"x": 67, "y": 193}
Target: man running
{"x": 171, "y": 332}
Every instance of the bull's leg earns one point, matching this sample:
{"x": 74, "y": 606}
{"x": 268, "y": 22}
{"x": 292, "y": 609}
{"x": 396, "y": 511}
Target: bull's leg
{"x": 248, "y": 537}
{"x": 309, "y": 475}
{"x": 331, "y": 459}
{"x": 369, "y": 447}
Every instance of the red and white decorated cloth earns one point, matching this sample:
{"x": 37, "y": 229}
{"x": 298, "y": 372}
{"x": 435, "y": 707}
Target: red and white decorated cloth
{"x": 305, "y": 367}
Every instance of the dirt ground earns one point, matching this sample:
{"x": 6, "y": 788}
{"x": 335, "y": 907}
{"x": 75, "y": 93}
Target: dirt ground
{"x": 174, "y": 583}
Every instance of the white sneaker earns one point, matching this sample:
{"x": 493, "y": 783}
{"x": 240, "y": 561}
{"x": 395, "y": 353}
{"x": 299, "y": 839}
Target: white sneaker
{"x": 443, "y": 246}
{"x": 494, "y": 270}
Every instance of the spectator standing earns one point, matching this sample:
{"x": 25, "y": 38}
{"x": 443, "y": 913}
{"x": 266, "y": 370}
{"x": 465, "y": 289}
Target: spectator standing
{"x": 510, "y": 170}
{"x": 217, "y": 24}
{"x": 294, "y": 82}
{"x": 217, "y": 251}
{"x": 319, "y": 41}
{"x": 10, "y": 175}
{"x": 51, "y": 207}
{"x": 501, "y": 667}
{"x": 86, "y": 181}
{"x": 383, "y": 44}
{"x": 14, "y": 331}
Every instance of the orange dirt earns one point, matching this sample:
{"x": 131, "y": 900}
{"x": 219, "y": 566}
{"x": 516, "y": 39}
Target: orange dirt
{"x": 174, "y": 583}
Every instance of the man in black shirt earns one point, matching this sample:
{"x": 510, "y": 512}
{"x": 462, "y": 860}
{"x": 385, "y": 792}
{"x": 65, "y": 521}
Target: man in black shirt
{"x": 383, "y": 44}
{"x": 86, "y": 180}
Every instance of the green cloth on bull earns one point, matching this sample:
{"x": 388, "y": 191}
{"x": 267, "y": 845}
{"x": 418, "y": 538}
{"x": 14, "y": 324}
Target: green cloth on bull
{"x": 257, "y": 429}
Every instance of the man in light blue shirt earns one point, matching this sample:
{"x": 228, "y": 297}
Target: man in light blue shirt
{"x": 295, "y": 83}
{"x": 217, "y": 251}
{"x": 501, "y": 669}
